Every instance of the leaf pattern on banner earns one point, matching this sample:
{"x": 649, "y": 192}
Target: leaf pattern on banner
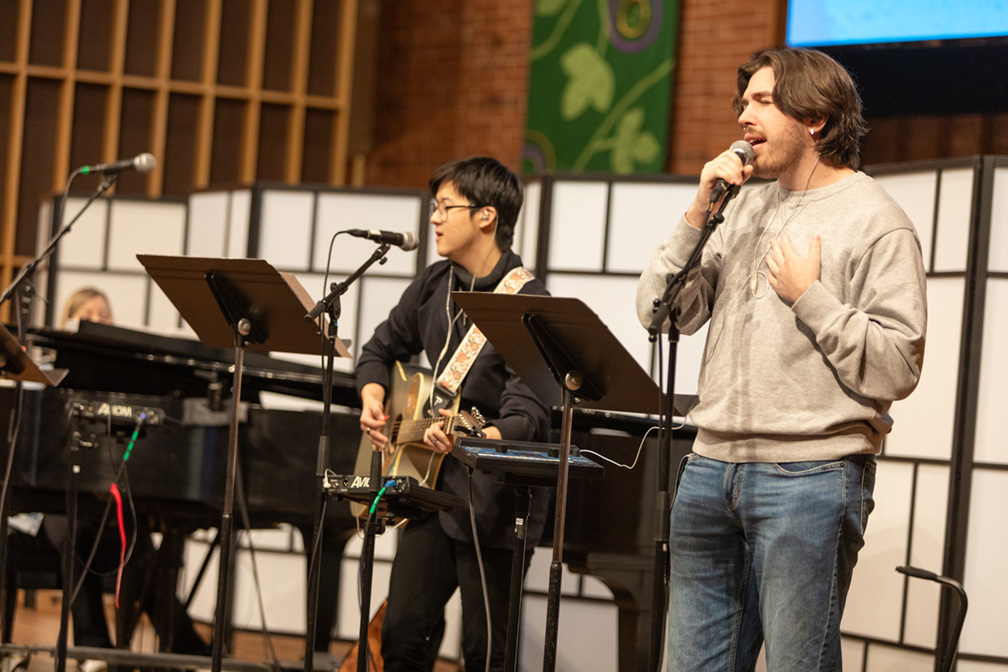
{"x": 549, "y": 7}
{"x": 590, "y": 82}
{"x": 632, "y": 145}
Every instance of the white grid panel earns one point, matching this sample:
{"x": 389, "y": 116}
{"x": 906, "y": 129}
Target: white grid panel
{"x": 577, "y": 226}
{"x": 992, "y": 399}
{"x": 923, "y": 422}
{"x": 984, "y": 575}
{"x": 84, "y": 245}
{"x": 208, "y": 224}
{"x": 241, "y": 215}
{"x": 526, "y": 240}
{"x": 890, "y": 659}
{"x": 144, "y": 227}
{"x": 875, "y": 600}
{"x": 339, "y": 211}
{"x": 998, "y": 259}
{"x": 915, "y": 193}
{"x": 954, "y": 209}
{"x": 643, "y": 215}
{"x": 285, "y": 228}
{"x": 926, "y": 551}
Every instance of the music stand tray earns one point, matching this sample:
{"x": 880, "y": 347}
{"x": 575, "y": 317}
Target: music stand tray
{"x": 276, "y": 302}
{"x": 15, "y": 364}
{"x": 523, "y": 461}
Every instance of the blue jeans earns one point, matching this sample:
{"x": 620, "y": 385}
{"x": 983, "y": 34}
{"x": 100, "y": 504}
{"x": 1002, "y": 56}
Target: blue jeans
{"x": 764, "y": 552}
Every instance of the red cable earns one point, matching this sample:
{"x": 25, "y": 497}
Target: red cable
{"x": 114, "y": 489}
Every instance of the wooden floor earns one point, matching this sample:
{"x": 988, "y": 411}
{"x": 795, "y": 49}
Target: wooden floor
{"x": 40, "y": 625}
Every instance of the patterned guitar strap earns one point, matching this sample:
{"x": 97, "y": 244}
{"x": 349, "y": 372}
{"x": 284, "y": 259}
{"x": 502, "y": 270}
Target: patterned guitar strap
{"x": 450, "y": 380}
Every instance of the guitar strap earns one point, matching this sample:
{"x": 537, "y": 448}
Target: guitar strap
{"x": 460, "y": 363}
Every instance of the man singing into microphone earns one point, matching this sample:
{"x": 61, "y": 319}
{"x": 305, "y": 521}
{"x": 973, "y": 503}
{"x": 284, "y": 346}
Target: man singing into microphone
{"x": 815, "y": 292}
{"x": 473, "y": 214}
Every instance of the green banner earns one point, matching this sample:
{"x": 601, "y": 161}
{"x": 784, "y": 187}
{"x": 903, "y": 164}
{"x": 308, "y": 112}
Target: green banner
{"x": 599, "y": 86}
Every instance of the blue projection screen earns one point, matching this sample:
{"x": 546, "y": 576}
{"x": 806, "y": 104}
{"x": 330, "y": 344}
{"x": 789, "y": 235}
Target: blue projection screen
{"x": 817, "y": 23}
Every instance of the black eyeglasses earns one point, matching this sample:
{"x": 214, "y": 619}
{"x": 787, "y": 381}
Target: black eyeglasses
{"x": 443, "y": 209}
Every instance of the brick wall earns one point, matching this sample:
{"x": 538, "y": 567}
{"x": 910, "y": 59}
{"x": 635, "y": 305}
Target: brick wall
{"x": 714, "y": 38}
{"x": 452, "y": 79}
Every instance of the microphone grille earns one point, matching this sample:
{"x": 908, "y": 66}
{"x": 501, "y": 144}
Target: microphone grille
{"x": 410, "y": 241}
{"x": 144, "y": 163}
{"x": 744, "y": 151}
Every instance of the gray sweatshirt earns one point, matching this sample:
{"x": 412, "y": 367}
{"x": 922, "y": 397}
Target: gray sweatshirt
{"x": 812, "y": 380}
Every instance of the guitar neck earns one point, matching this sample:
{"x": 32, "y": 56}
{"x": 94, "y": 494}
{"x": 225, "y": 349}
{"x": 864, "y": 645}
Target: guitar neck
{"x": 412, "y": 431}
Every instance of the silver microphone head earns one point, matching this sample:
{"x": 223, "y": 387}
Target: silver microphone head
{"x": 410, "y": 241}
{"x": 144, "y": 163}
{"x": 743, "y": 150}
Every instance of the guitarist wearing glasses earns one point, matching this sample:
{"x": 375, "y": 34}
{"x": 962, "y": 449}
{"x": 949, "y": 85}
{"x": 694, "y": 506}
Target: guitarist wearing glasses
{"x": 476, "y": 205}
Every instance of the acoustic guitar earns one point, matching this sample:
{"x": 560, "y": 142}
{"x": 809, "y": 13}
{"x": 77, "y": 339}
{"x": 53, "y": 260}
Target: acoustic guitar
{"x": 413, "y": 404}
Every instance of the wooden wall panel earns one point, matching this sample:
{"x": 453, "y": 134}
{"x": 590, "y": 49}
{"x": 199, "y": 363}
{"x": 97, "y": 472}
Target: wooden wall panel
{"x": 220, "y": 91}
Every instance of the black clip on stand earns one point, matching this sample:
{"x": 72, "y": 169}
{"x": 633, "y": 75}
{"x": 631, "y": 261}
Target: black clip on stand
{"x": 331, "y": 305}
{"x": 260, "y": 308}
{"x": 26, "y": 271}
{"x": 668, "y": 308}
{"x": 572, "y": 348}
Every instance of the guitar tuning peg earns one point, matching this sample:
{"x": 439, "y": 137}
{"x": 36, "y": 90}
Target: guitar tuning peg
{"x": 478, "y": 418}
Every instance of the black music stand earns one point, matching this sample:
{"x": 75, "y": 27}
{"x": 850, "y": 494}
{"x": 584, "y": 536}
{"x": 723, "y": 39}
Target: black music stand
{"x": 248, "y": 304}
{"x": 524, "y": 465}
{"x": 551, "y": 341}
{"x": 16, "y": 365}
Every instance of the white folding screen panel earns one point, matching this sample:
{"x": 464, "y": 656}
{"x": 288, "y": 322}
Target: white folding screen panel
{"x": 526, "y": 240}
{"x": 112, "y": 232}
{"x": 984, "y": 580}
{"x": 955, "y": 200}
{"x": 144, "y": 227}
{"x": 915, "y": 192}
{"x": 285, "y": 228}
{"x": 208, "y": 224}
{"x": 340, "y": 211}
{"x": 642, "y": 215}
{"x": 992, "y": 399}
{"x": 577, "y": 225}
{"x": 998, "y": 257}
{"x": 923, "y": 422}
{"x": 891, "y": 659}
{"x": 85, "y": 244}
{"x": 927, "y": 546}
{"x": 875, "y": 600}
{"x": 240, "y": 214}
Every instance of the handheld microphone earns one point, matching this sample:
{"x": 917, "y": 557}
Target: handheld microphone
{"x": 142, "y": 163}
{"x": 744, "y": 151}
{"x": 406, "y": 240}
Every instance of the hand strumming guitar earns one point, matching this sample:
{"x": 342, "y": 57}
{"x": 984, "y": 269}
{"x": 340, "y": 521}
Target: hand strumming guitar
{"x": 372, "y": 417}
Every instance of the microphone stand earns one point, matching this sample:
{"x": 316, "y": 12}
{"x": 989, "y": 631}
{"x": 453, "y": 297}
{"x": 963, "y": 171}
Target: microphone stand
{"x": 30, "y": 267}
{"x": 668, "y": 308}
{"x": 20, "y": 279}
{"x": 330, "y": 304}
